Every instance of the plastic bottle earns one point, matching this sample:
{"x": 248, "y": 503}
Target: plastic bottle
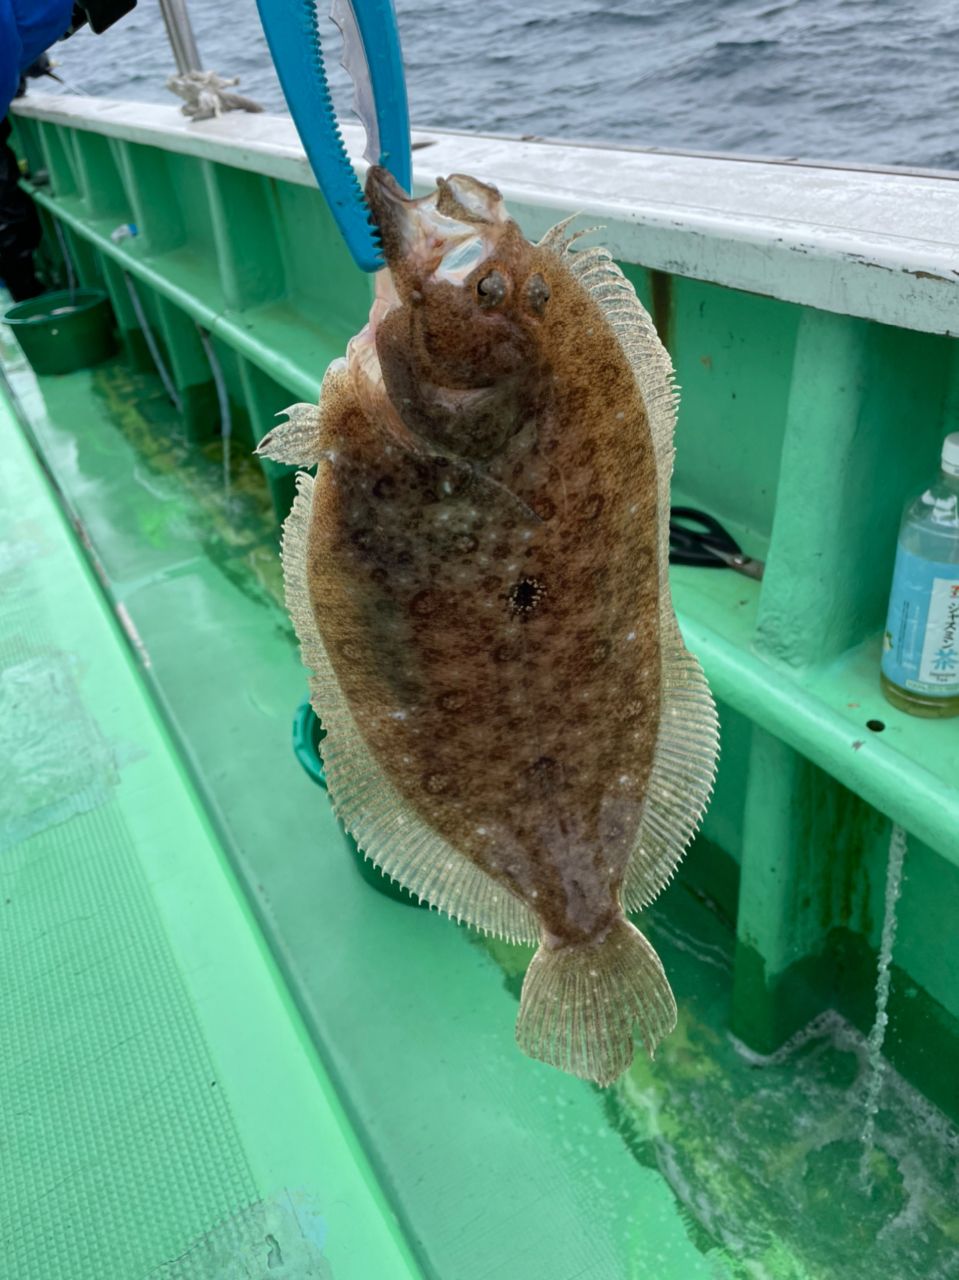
{"x": 920, "y": 659}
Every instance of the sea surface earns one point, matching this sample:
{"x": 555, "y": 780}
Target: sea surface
{"x": 867, "y": 81}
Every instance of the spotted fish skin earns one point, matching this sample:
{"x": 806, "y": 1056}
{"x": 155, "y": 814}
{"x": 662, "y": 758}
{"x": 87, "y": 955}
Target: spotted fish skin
{"x": 481, "y": 560}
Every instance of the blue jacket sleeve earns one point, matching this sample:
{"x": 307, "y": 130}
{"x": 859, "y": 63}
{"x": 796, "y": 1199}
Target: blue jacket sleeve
{"x": 27, "y": 28}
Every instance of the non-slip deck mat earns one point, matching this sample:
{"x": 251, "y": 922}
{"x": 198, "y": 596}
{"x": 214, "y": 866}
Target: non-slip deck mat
{"x": 161, "y": 1112}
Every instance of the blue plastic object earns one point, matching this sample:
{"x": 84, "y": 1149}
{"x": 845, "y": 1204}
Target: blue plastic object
{"x": 292, "y": 32}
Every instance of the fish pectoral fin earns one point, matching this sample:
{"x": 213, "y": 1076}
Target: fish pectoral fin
{"x": 580, "y": 1004}
{"x": 520, "y": 508}
{"x": 298, "y": 442}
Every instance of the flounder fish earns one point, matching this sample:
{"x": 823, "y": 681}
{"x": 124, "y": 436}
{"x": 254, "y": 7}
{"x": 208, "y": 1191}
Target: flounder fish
{"x": 478, "y": 576}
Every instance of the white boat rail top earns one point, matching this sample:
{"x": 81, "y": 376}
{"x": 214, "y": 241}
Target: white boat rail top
{"x": 878, "y": 243}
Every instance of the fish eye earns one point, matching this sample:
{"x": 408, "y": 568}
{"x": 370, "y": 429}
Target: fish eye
{"x": 537, "y": 294}
{"x": 491, "y": 290}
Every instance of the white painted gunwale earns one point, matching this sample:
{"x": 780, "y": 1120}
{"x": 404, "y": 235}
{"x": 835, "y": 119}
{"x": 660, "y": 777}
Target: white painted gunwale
{"x": 880, "y": 244}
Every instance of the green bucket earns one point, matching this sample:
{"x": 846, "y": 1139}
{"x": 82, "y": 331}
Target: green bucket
{"x": 63, "y": 331}
{"x": 308, "y": 733}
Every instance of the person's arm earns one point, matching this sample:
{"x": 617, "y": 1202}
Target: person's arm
{"x": 27, "y": 28}
{"x": 9, "y": 57}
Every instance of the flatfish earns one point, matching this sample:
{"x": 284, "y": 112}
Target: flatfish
{"x": 478, "y": 576}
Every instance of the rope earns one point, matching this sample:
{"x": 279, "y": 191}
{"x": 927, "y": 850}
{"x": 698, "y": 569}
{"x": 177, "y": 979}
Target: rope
{"x": 168, "y": 384}
{"x": 226, "y": 419}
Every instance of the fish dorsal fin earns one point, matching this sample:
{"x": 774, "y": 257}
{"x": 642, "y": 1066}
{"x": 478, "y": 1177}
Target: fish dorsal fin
{"x": 385, "y": 827}
{"x": 684, "y": 762}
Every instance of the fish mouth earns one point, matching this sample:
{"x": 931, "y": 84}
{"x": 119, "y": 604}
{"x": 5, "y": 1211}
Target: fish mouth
{"x": 435, "y": 358}
{"x": 392, "y": 211}
{"x": 457, "y": 222}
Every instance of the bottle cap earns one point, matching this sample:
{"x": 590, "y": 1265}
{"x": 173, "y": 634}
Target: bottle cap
{"x": 950, "y": 454}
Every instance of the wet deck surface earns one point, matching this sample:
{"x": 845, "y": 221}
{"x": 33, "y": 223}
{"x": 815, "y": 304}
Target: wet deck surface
{"x": 708, "y": 1163}
{"x": 165, "y": 1114}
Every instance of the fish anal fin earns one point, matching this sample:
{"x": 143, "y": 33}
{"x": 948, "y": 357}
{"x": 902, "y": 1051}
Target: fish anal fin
{"x": 681, "y": 779}
{"x": 580, "y": 1003}
{"x": 384, "y": 824}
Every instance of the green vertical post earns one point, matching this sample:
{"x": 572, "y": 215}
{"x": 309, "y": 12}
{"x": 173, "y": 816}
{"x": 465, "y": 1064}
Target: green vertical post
{"x": 862, "y": 424}
{"x": 85, "y": 259}
{"x": 150, "y": 195}
{"x": 131, "y": 335}
{"x": 99, "y": 179}
{"x": 804, "y": 617}
{"x": 808, "y": 882}
{"x": 811, "y": 593}
{"x": 775, "y": 927}
{"x": 326, "y": 288}
{"x": 245, "y": 234}
{"x": 28, "y": 144}
{"x": 58, "y": 161}
{"x": 48, "y": 257}
{"x": 189, "y": 369}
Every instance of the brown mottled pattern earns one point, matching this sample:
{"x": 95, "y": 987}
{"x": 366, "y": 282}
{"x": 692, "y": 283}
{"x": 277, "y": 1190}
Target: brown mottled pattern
{"x": 502, "y": 665}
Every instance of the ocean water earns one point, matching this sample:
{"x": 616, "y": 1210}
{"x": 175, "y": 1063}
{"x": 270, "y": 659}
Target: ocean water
{"x": 866, "y": 81}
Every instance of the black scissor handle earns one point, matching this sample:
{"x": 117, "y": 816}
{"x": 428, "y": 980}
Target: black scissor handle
{"x": 696, "y": 537}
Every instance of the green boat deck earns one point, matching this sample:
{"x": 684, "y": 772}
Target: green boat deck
{"x": 165, "y": 1112}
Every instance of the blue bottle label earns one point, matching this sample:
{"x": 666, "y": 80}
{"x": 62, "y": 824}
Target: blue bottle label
{"x": 921, "y": 644}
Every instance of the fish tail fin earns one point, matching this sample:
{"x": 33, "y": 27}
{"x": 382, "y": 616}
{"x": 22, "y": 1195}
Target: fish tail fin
{"x": 580, "y": 1003}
